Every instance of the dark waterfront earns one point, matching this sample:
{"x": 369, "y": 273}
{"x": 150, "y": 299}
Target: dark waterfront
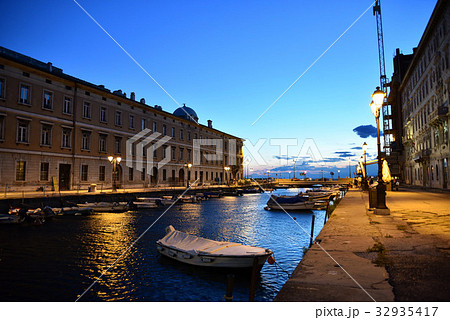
{"x": 60, "y": 259}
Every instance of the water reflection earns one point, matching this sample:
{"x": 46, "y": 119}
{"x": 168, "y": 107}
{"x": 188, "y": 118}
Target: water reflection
{"x": 59, "y": 260}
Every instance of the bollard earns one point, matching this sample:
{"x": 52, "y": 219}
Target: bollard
{"x": 253, "y": 280}
{"x": 312, "y": 231}
{"x": 230, "y": 284}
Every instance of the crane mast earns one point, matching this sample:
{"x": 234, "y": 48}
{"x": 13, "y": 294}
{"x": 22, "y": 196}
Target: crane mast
{"x": 383, "y": 86}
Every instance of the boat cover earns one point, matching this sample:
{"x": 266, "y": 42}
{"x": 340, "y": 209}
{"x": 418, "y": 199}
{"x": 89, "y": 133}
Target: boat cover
{"x": 293, "y": 199}
{"x": 196, "y": 245}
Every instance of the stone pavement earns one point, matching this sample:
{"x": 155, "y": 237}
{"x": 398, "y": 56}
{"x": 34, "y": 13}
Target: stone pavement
{"x": 404, "y": 256}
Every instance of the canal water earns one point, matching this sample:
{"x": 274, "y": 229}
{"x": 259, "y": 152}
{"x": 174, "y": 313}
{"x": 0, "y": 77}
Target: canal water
{"x": 59, "y": 260}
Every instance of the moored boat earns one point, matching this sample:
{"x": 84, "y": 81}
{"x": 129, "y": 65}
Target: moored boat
{"x": 10, "y": 219}
{"x": 198, "y": 251}
{"x": 296, "y": 202}
{"x": 106, "y": 206}
{"x": 147, "y": 203}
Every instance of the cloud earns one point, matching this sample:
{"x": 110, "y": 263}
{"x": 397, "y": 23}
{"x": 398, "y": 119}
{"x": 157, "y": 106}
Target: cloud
{"x": 344, "y": 154}
{"x": 366, "y": 131}
{"x": 285, "y": 157}
{"x": 356, "y": 148}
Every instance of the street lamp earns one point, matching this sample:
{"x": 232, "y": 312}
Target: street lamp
{"x": 364, "y": 147}
{"x": 294, "y": 168}
{"x": 226, "y": 170}
{"x": 114, "y": 161}
{"x": 376, "y": 104}
{"x": 188, "y": 178}
{"x": 251, "y": 173}
{"x": 268, "y": 175}
{"x": 289, "y": 175}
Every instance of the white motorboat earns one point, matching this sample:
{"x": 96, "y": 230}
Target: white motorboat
{"x": 187, "y": 199}
{"x": 290, "y": 203}
{"x": 73, "y": 211}
{"x": 9, "y": 219}
{"x": 198, "y": 251}
{"x": 168, "y": 200}
{"x": 147, "y": 203}
{"x": 106, "y": 206}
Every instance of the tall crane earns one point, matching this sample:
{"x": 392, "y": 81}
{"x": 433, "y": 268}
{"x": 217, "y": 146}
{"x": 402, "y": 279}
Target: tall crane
{"x": 383, "y": 86}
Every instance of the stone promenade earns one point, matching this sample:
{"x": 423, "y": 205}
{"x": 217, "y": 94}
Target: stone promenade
{"x": 360, "y": 256}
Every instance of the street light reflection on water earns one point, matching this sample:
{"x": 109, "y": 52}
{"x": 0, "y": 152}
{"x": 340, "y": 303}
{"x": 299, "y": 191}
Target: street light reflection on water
{"x": 78, "y": 249}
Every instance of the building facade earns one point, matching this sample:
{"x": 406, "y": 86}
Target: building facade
{"x": 57, "y": 131}
{"x": 424, "y": 94}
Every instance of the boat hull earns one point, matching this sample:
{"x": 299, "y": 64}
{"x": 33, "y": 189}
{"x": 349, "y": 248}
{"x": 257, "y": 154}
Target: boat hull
{"x": 214, "y": 261}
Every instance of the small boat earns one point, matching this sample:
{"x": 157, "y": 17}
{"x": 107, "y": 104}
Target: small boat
{"x": 296, "y": 202}
{"x": 187, "y": 199}
{"x": 106, "y": 206}
{"x": 147, "y": 203}
{"x": 168, "y": 200}
{"x": 42, "y": 214}
{"x": 10, "y": 219}
{"x": 233, "y": 193}
{"x": 198, "y": 251}
{"x": 211, "y": 194}
{"x": 73, "y": 211}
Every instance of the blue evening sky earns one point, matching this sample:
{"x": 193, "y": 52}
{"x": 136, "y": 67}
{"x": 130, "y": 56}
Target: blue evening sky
{"x": 230, "y": 60}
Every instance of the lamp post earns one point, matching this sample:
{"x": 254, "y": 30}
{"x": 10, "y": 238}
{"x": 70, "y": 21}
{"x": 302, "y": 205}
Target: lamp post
{"x": 289, "y": 175}
{"x": 376, "y": 104}
{"x": 364, "y": 147}
{"x": 268, "y": 175}
{"x": 339, "y": 176}
{"x": 188, "y": 178}
{"x": 294, "y": 168}
{"x": 114, "y": 161}
{"x": 226, "y": 172}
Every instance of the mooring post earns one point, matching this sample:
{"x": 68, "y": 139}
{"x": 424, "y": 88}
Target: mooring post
{"x": 312, "y": 231}
{"x": 230, "y": 285}
{"x": 253, "y": 280}
{"x": 326, "y": 212}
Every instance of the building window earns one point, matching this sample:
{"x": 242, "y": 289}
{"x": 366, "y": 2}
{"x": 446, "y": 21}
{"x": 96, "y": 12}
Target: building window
{"x": 143, "y": 174}
{"x": 131, "y": 121}
{"x": 164, "y": 130}
{"x": 118, "y": 118}
{"x": 181, "y": 153}
{"x": 130, "y": 174}
{"x": 117, "y": 144}
{"x": 103, "y": 116}
{"x": 101, "y": 173}
{"x": 66, "y": 137}
{"x": 25, "y": 94}
{"x": 85, "y": 140}
{"x": 2, "y": 127}
{"x": 48, "y": 100}
{"x": 102, "y": 143}
{"x": 181, "y": 134}
{"x": 164, "y": 175}
{"x": 23, "y": 127}
{"x": 154, "y": 126}
{"x": 2, "y": 88}
{"x": 164, "y": 152}
{"x": 155, "y": 154}
{"x": 188, "y": 154}
{"x": 173, "y": 132}
{"x": 67, "y": 107}
{"x": 189, "y": 136}
{"x": 20, "y": 170}
{"x": 142, "y": 124}
{"x": 44, "y": 171}
{"x": 46, "y": 134}
{"x": 173, "y": 153}
{"x": 84, "y": 172}
{"x": 86, "y": 110}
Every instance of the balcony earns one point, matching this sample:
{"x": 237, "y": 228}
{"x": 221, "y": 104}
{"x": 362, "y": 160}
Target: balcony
{"x": 422, "y": 155}
{"x": 438, "y": 116}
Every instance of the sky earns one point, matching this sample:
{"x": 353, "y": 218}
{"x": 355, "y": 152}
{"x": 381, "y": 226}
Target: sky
{"x": 235, "y": 62}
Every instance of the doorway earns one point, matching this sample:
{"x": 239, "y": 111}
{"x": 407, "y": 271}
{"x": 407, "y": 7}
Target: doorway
{"x": 64, "y": 176}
